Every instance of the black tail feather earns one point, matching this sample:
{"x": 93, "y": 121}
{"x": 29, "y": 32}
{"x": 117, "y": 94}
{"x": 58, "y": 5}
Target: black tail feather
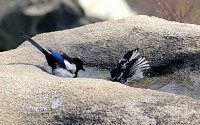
{"x": 35, "y": 44}
{"x": 50, "y": 59}
{"x": 164, "y": 62}
{"x": 161, "y": 67}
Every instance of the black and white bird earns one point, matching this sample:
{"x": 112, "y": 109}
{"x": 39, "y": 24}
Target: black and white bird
{"x": 132, "y": 66}
{"x": 61, "y": 64}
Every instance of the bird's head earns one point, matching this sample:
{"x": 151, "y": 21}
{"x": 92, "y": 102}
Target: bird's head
{"x": 79, "y": 64}
{"x": 115, "y": 74}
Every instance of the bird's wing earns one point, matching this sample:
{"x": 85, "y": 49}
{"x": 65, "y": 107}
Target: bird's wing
{"x": 66, "y": 57}
{"x": 134, "y": 65}
{"x": 128, "y": 55}
{"x": 58, "y": 56}
{"x": 134, "y": 55}
{"x": 63, "y": 60}
{"x": 130, "y": 64}
{"x": 140, "y": 64}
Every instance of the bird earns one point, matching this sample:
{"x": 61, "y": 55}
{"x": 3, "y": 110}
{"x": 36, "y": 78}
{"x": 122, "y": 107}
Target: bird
{"x": 137, "y": 67}
{"x": 128, "y": 66}
{"x": 62, "y": 65}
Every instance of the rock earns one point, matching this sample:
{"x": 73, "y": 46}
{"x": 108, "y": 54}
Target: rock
{"x": 29, "y": 95}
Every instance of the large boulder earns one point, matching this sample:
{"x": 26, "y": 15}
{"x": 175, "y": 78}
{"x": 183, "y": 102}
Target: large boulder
{"x": 31, "y": 95}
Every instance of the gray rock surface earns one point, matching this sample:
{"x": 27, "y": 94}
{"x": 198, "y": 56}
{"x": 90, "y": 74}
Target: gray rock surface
{"x": 30, "y": 95}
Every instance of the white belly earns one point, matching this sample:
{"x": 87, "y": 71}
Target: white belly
{"x": 62, "y": 73}
{"x": 69, "y": 66}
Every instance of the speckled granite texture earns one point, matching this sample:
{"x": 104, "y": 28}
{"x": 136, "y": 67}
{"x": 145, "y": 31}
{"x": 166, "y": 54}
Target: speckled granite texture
{"x": 29, "y": 95}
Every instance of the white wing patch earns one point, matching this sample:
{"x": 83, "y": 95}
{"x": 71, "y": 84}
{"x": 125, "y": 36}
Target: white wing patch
{"x": 140, "y": 64}
{"x": 138, "y": 68}
{"x": 134, "y": 55}
{"x": 69, "y": 66}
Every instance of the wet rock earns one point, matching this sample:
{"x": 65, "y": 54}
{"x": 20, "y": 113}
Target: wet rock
{"x": 30, "y": 95}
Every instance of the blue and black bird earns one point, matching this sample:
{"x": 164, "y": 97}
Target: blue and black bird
{"x": 132, "y": 66}
{"x": 62, "y": 65}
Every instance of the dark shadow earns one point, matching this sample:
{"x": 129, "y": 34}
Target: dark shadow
{"x": 38, "y": 66}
